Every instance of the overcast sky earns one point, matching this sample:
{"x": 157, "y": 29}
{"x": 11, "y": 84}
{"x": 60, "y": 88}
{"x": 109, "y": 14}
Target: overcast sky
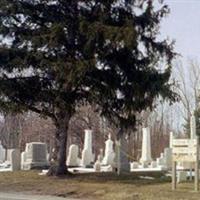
{"x": 183, "y": 25}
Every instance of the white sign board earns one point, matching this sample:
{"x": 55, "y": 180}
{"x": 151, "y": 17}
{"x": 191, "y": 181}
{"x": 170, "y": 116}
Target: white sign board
{"x": 184, "y": 150}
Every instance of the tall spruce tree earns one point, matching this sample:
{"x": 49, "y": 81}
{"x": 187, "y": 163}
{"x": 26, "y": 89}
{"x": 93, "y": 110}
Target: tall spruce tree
{"x": 186, "y": 125}
{"x": 56, "y": 54}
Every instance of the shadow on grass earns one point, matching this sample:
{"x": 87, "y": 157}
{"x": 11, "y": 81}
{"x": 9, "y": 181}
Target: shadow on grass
{"x": 130, "y": 178}
{"x": 138, "y": 179}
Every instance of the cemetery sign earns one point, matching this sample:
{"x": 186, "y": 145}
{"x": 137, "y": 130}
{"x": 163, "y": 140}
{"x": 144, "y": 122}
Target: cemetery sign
{"x": 185, "y": 150}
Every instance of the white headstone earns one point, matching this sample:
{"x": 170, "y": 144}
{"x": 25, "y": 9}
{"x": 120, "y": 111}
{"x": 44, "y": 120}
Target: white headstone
{"x": 181, "y": 176}
{"x": 97, "y": 165}
{"x": 8, "y": 156}
{"x": 2, "y": 153}
{"x": 153, "y": 164}
{"x": 48, "y": 156}
{"x": 162, "y": 155}
{"x": 23, "y": 159}
{"x": 72, "y": 159}
{"x": 165, "y": 159}
{"x": 109, "y": 152}
{"x": 160, "y": 161}
{"x": 108, "y": 168}
{"x": 35, "y": 155}
{"x": 146, "y": 146}
{"x": 87, "y": 155}
{"x": 15, "y": 159}
{"x": 168, "y": 157}
{"x": 134, "y": 165}
{"x": 193, "y": 127}
{"x": 171, "y": 137}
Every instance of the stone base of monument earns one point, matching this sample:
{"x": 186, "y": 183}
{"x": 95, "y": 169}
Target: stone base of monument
{"x": 156, "y": 169}
{"x": 72, "y": 166}
{"x": 5, "y": 167}
{"x": 153, "y": 167}
{"x": 80, "y": 170}
{"x": 6, "y": 170}
{"x": 35, "y": 165}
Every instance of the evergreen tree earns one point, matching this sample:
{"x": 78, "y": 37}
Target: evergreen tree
{"x": 197, "y": 119}
{"x": 56, "y": 54}
{"x": 197, "y": 115}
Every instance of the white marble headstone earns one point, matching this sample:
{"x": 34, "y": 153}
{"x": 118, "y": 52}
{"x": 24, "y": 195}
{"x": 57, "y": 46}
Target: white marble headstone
{"x": 109, "y": 152}
{"x": 168, "y": 157}
{"x": 2, "y": 153}
{"x": 97, "y": 165}
{"x": 72, "y": 159}
{"x": 181, "y": 176}
{"x": 134, "y": 165}
{"x": 87, "y": 155}
{"x": 171, "y": 137}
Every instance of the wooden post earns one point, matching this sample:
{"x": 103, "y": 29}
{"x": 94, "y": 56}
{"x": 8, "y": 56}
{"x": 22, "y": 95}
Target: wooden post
{"x": 190, "y": 171}
{"x": 196, "y": 182}
{"x": 173, "y": 175}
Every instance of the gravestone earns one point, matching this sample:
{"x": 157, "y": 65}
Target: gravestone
{"x": 153, "y": 164}
{"x": 146, "y": 147}
{"x": 168, "y": 157}
{"x": 97, "y": 165}
{"x": 15, "y": 159}
{"x": 181, "y": 176}
{"x": 23, "y": 159}
{"x": 171, "y": 137}
{"x": 2, "y": 153}
{"x": 8, "y": 156}
{"x": 134, "y": 165}
{"x": 87, "y": 155}
{"x": 160, "y": 161}
{"x": 35, "y": 156}
{"x": 72, "y": 159}
{"x": 108, "y": 168}
{"x": 165, "y": 159}
{"x": 109, "y": 152}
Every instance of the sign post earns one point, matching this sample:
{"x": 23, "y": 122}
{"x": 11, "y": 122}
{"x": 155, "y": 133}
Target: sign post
{"x": 173, "y": 175}
{"x": 197, "y": 167}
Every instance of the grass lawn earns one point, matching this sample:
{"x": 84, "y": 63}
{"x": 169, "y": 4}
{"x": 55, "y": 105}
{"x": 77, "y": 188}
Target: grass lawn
{"x": 106, "y": 186}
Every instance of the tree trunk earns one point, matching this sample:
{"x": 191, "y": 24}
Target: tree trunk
{"x": 60, "y": 167}
{"x": 123, "y": 165}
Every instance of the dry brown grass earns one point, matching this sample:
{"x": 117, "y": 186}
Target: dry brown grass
{"x": 104, "y": 186}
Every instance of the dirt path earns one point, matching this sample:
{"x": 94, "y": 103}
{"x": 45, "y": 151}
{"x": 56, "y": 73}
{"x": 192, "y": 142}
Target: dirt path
{"x": 21, "y": 196}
